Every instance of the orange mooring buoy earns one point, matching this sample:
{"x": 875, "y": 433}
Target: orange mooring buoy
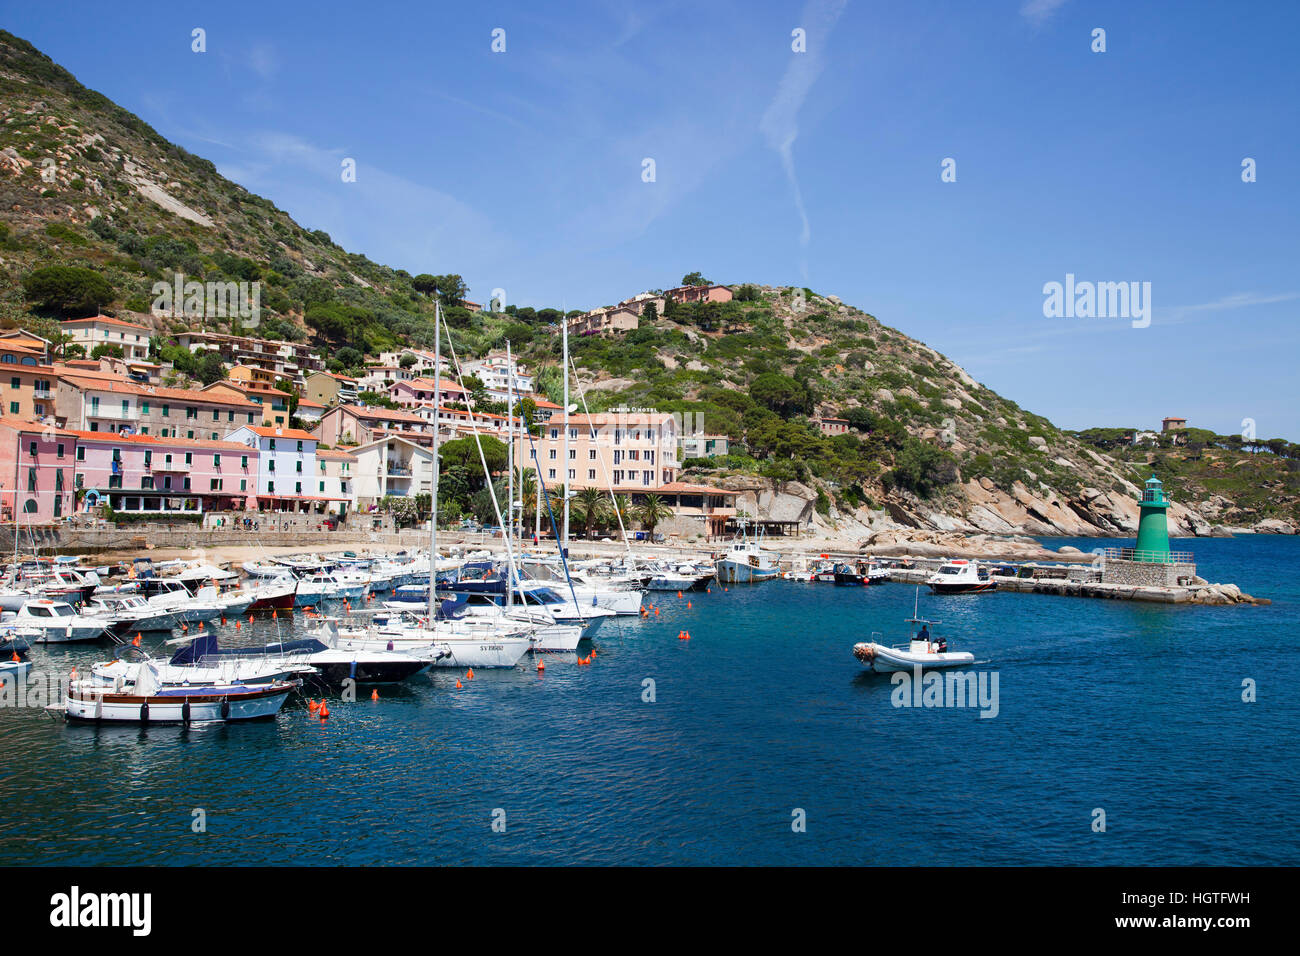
{"x": 656, "y": 612}
{"x": 238, "y": 624}
{"x": 688, "y": 605}
{"x": 679, "y": 593}
{"x": 136, "y": 642}
{"x": 541, "y": 665}
{"x": 374, "y": 694}
{"x": 458, "y": 684}
{"x": 324, "y": 710}
{"x": 313, "y": 706}
{"x": 684, "y": 636}
{"x": 223, "y": 620}
{"x": 15, "y": 657}
{"x": 470, "y": 675}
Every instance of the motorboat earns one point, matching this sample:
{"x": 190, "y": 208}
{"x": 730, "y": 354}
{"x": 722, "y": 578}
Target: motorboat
{"x": 960, "y": 576}
{"x": 149, "y": 701}
{"x": 682, "y": 577}
{"x": 462, "y": 643}
{"x": 170, "y": 595}
{"x": 922, "y": 650}
{"x": 180, "y": 671}
{"x": 859, "y": 574}
{"x": 271, "y": 594}
{"x": 16, "y": 640}
{"x": 326, "y": 586}
{"x": 131, "y": 612}
{"x": 58, "y": 622}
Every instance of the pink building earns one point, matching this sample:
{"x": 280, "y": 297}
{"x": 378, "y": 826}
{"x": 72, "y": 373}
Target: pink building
{"x": 36, "y": 468}
{"x": 700, "y": 293}
{"x": 420, "y": 392}
{"x": 633, "y": 451}
{"x": 146, "y": 474}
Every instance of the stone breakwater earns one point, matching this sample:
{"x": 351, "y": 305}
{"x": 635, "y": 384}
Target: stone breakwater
{"x": 1078, "y": 586}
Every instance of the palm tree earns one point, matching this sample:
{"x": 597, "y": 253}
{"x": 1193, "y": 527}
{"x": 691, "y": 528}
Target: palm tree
{"x": 592, "y": 508}
{"x": 621, "y": 511}
{"x": 653, "y": 511}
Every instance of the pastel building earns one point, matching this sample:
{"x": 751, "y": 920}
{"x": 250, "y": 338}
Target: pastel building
{"x": 336, "y": 475}
{"x": 287, "y": 471}
{"x": 98, "y": 330}
{"x": 147, "y": 474}
{"x": 392, "y": 466}
{"x": 26, "y": 383}
{"x": 36, "y": 477}
{"x": 102, "y": 402}
{"x": 635, "y": 451}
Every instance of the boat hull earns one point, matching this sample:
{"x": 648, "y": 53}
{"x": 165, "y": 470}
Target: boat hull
{"x": 974, "y": 588}
{"x": 738, "y": 572}
{"x": 90, "y": 706}
{"x": 887, "y": 660}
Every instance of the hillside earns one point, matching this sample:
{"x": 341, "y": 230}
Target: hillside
{"x": 87, "y": 185}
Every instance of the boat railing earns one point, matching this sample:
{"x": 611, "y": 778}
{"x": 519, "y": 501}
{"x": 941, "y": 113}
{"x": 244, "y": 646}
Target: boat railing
{"x": 1148, "y": 557}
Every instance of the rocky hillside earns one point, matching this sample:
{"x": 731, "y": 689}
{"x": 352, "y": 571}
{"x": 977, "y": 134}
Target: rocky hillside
{"x": 930, "y": 448}
{"x": 88, "y": 185}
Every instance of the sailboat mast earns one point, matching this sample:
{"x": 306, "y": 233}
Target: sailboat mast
{"x": 510, "y": 439}
{"x": 564, "y": 540}
{"x": 437, "y": 404}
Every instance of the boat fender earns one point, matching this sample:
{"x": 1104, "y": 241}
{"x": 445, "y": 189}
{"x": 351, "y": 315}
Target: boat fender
{"x": 225, "y": 709}
{"x": 185, "y": 713}
{"x": 144, "y": 712}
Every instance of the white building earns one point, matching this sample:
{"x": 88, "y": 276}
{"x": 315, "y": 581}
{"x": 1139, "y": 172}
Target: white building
{"x": 391, "y": 466}
{"x": 132, "y": 339}
{"x": 287, "y": 471}
{"x": 495, "y": 371}
{"x": 335, "y": 478}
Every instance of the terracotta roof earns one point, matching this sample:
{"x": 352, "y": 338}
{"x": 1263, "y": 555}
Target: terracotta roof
{"x": 375, "y": 414}
{"x": 107, "y": 320}
{"x": 332, "y": 454}
{"x": 445, "y": 385}
{"x": 268, "y": 432}
{"x": 85, "y": 380}
{"x": 113, "y": 438}
{"x": 23, "y": 425}
{"x": 104, "y": 384}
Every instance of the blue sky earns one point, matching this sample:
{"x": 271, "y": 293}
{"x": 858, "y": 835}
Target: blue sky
{"x": 523, "y": 169}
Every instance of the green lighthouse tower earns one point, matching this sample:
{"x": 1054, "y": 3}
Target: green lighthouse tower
{"x": 1153, "y": 526}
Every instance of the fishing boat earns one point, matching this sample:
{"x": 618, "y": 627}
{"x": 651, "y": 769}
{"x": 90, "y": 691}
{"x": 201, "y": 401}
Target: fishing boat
{"x": 746, "y": 563}
{"x": 922, "y": 650}
{"x": 960, "y": 576}
{"x": 151, "y": 702}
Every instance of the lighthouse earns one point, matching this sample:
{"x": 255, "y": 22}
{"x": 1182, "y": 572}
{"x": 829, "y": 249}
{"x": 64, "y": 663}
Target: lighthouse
{"x": 1153, "y": 525}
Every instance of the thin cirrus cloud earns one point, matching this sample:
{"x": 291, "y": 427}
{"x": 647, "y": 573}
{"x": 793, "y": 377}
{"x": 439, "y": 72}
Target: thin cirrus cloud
{"x": 1039, "y": 12}
{"x": 780, "y": 124}
{"x": 382, "y": 215}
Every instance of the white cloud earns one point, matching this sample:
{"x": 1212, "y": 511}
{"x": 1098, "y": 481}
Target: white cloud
{"x": 780, "y": 124}
{"x": 1039, "y": 12}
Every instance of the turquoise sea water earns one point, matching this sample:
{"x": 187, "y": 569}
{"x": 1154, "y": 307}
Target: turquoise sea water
{"x": 1132, "y": 708}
